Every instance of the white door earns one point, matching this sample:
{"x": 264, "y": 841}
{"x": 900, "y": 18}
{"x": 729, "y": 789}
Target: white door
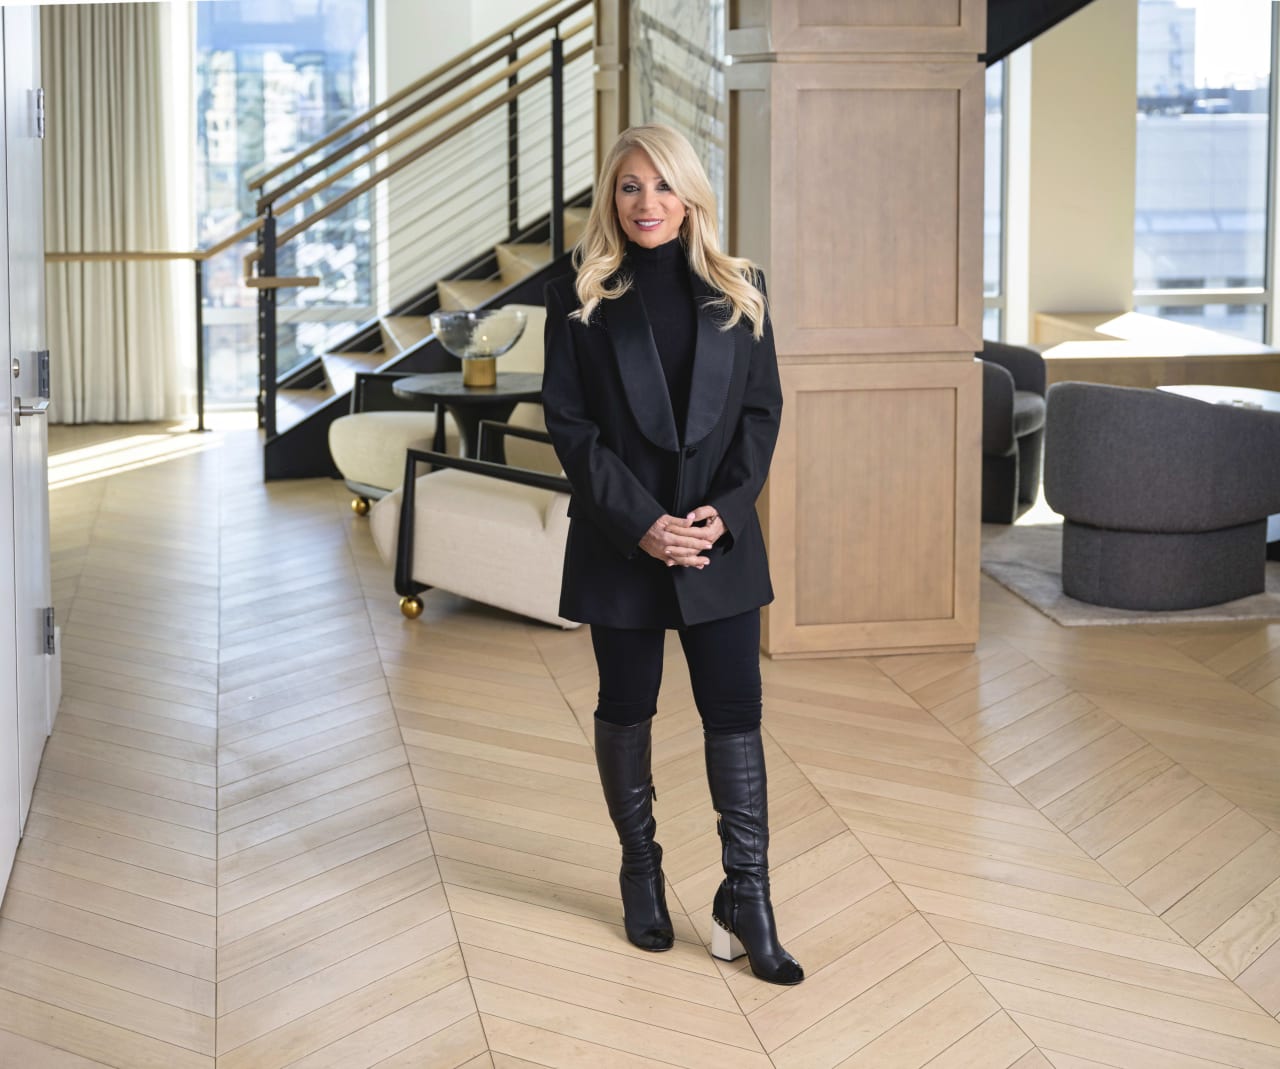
{"x": 11, "y": 803}
{"x": 25, "y": 224}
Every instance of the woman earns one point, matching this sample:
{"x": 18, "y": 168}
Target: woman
{"x": 661, "y": 396}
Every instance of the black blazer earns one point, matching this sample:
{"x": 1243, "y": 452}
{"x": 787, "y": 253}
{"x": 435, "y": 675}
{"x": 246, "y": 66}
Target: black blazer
{"x": 609, "y": 415}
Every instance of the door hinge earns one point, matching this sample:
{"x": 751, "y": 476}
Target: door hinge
{"x": 40, "y": 114}
{"x": 42, "y": 373}
{"x": 49, "y": 634}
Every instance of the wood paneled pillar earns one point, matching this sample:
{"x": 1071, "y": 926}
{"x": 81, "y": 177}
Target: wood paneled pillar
{"x": 855, "y": 179}
{"x": 611, "y": 54}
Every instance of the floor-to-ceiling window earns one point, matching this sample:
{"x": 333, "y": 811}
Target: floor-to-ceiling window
{"x": 272, "y": 76}
{"x": 994, "y": 206}
{"x": 1201, "y": 221}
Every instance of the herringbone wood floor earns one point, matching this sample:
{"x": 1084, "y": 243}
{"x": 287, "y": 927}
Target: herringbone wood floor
{"x": 278, "y": 825}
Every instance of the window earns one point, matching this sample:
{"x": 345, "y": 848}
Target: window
{"x": 1242, "y": 320}
{"x": 270, "y": 79}
{"x": 1200, "y": 226}
{"x": 993, "y": 211}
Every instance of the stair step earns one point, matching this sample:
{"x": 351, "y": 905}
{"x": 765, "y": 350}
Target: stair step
{"x": 293, "y": 406}
{"x": 341, "y": 368}
{"x": 517, "y": 260}
{"x": 403, "y": 332}
{"x": 575, "y": 222}
{"x": 462, "y": 293}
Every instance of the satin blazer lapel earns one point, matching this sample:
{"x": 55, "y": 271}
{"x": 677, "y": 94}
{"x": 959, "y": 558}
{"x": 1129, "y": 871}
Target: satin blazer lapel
{"x": 641, "y": 370}
{"x": 712, "y": 367}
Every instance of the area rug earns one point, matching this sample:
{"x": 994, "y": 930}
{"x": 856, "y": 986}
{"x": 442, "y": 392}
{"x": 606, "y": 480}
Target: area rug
{"x": 1028, "y": 560}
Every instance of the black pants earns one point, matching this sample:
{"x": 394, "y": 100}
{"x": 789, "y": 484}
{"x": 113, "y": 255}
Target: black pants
{"x": 724, "y": 667}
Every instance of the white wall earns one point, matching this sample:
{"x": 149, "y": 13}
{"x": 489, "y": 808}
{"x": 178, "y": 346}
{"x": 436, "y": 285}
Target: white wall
{"x": 1073, "y": 100}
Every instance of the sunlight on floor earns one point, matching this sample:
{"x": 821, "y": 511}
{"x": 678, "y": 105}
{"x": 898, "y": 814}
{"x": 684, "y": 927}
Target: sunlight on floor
{"x": 80, "y": 454}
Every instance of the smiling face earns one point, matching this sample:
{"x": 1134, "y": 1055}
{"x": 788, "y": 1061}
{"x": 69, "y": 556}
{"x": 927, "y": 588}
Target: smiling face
{"x": 650, "y": 213}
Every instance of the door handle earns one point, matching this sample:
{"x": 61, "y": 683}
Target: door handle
{"x": 40, "y": 408}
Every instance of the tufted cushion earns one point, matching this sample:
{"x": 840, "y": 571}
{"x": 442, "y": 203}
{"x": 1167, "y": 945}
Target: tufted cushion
{"x": 494, "y": 541}
{"x": 369, "y": 447}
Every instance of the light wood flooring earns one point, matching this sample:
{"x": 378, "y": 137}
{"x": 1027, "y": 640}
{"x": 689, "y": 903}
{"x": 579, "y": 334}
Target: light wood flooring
{"x": 279, "y": 825}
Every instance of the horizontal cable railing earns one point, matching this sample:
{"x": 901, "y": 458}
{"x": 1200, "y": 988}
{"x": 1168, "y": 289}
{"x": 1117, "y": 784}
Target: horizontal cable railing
{"x": 452, "y": 245}
{"x": 476, "y": 173}
{"x": 467, "y": 158}
{"x": 345, "y": 198}
{"x": 346, "y": 133}
{"x": 434, "y": 247}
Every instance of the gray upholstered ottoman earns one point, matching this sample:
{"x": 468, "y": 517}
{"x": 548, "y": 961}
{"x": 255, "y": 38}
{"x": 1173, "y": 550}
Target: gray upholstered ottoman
{"x": 1164, "y": 498}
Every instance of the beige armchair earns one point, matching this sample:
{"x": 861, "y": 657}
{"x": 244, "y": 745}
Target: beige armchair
{"x": 492, "y": 532}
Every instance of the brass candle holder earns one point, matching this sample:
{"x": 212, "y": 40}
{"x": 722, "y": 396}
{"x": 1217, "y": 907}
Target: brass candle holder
{"x": 478, "y": 338}
{"x": 480, "y": 371}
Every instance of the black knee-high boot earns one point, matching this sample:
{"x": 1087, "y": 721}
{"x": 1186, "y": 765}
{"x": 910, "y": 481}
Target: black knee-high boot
{"x": 623, "y": 758}
{"x": 742, "y": 913}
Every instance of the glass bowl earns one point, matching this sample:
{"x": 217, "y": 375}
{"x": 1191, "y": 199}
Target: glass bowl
{"x": 478, "y": 338}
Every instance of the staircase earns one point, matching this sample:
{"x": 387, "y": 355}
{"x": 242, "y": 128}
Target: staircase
{"x": 484, "y": 148}
{"x": 319, "y": 393}
{"x": 468, "y": 170}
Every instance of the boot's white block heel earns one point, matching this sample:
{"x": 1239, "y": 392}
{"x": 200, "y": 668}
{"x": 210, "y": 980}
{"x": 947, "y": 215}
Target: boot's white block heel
{"x": 724, "y": 944}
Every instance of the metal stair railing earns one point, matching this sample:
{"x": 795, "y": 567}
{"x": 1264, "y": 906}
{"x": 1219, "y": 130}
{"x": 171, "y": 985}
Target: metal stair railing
{"x": 508, "y": 90}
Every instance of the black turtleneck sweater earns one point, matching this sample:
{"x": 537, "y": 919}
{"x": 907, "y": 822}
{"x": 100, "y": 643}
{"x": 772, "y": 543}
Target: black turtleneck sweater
{"x": 662, "y": 277}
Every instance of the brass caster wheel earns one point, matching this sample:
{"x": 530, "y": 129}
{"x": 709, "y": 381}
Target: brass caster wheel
{"x": 360, "y": 506}
{"x": 411, "y": 607}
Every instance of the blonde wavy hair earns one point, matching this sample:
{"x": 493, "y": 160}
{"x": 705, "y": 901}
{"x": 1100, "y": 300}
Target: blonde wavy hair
{"x": 599, "y": 254}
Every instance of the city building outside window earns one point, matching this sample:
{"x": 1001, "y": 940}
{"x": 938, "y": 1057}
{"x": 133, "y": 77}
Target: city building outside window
{"x": 272, "y": 78}
{"x": 1204, "y": 115}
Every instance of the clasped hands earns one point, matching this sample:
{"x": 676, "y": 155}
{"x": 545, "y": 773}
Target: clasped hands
{"x": 677, "y": 540}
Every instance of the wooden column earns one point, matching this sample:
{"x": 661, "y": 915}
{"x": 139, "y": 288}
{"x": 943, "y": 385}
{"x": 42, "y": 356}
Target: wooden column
{"x": 612, "y": 37}
{"x": 855, "y": 179}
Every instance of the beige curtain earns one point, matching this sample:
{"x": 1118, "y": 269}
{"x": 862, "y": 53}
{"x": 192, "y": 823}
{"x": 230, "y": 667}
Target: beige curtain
{"x": 112, "y": 327}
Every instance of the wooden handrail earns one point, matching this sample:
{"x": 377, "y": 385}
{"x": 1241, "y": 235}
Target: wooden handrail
{"x": 234, "y": 239}
{"x": 139, "y": 256}
{"x": 413, "y": 156}
{"x": 458, "y": 79}
{"x": 123, "y": 257}
{"x": 283, "y": 282}
{"x": 409, "y": 90}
